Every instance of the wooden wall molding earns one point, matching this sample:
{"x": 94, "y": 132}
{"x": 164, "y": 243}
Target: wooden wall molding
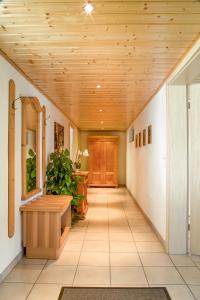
{"x": 11, "y": 160}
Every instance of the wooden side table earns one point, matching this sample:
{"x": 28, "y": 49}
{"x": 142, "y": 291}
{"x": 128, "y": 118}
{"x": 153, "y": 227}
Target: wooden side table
{"x": 46, "y": 222}
{"x": 82, "y": 190}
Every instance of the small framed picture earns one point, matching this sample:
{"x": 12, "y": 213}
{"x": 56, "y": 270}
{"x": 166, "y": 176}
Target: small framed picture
{"x": 136, "y": 141}
{"x": 150, "y": 134}
{"x": 144, "y": 137}
{"x": 131, "y": 135}
{"x": 140, "y": 139}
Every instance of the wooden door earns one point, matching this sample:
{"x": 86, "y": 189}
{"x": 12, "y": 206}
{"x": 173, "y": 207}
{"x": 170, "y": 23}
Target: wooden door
{"x": 103, "y": 152}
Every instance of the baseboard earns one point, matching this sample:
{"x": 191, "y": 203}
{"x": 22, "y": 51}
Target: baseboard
{"x": 149, "y": 221}
{"x": 9, "y": 268}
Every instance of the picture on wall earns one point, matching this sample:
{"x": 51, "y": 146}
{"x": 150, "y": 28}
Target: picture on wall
{"x": 140, "y": 139}
{"x": 144, "y": 137}
{"x": 136, "y": 141}
{"x": 150, "y": 134}
{"x": 58, "y": 137}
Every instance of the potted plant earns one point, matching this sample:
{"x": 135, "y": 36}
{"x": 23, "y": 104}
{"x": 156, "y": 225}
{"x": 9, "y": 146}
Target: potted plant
{"x": 61, "y": 181}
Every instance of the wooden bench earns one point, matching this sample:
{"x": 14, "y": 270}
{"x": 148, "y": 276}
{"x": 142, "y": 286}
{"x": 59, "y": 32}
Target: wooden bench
{"x": 45, "y": 224}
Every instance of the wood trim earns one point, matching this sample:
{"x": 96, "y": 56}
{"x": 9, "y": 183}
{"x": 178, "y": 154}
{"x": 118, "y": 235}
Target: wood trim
{"x": 38, "y": 108}
{"x": 11, "y": 161}
{"x": 44, "y": 148}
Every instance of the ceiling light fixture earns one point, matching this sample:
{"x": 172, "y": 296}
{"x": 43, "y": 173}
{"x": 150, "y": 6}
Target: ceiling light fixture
{"x": 102, "y": 122}
{"x": 88, "y": 8}
{"x": 98, "y": 86}
{"x": 100, "y": 110}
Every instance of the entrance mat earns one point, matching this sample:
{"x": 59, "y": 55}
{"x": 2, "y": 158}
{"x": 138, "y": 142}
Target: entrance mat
{"x": 90, "y": 293}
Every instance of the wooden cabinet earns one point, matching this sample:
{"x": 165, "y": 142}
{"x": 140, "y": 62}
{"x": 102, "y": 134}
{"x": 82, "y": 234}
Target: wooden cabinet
{"x": 103, "y": 161}
{"x": 45, "y": 225}
{"x": 82, "y": 190}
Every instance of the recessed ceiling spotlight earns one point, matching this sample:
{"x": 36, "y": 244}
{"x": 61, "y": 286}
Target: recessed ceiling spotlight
{"x": 102, "y": 122}
{"x": 88, "y": 7}
{"x": 98, "y": 86}
{"x": 100, "y": 110}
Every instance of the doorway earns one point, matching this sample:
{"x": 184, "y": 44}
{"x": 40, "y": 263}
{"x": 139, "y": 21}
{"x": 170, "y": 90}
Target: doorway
{"x": 183, "y": 160}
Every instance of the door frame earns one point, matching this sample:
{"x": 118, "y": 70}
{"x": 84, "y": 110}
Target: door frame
{"x": 177, "y": 151}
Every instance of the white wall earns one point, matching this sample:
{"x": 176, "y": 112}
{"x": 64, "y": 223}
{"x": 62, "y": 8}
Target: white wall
{"x": 10, "y": 248}
{"x": 146, "y": 166}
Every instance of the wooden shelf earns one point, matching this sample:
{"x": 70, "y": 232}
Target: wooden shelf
{"x": 46, "y": 222}
{"x": 82, "y": 190}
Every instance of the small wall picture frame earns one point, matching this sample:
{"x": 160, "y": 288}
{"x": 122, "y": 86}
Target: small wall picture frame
{"x": 144, "y": 137}
{"x": 150, "y": 134}
{"x": 140, "y": 139}
{"x": 136, "y": 141}
{"x": 131, "y": 135}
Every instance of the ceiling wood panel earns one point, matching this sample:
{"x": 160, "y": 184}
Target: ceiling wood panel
{"x": 128, "y": 47}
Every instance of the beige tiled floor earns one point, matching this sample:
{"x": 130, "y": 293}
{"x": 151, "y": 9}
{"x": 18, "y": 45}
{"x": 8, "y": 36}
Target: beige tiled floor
{"x": 113, "y": 246}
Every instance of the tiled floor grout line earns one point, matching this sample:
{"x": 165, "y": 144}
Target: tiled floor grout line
{"x": 136, "y": 247}
{"x": 80, "y": 254}
{"x": 36, "y": 279}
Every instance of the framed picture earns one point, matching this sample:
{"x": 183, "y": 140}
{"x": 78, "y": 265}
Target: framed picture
{"x": 58, "y": 137}
{"x": 150, "y": 134}
{"x": 140, "y": 139}
{"x": 144, "y": 137}
{"x": 136, "y": 141}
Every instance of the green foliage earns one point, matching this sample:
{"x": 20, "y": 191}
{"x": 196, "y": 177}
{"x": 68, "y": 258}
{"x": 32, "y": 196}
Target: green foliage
{"x": 31, "y": 171}
{"x": 60, "y": 180}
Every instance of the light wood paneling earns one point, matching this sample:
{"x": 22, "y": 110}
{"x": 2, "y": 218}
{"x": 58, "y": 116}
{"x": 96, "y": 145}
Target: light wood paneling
{"x": 44, "y": 148}
{"x": 129, "y": 47}
{"x": 11, "y": 161}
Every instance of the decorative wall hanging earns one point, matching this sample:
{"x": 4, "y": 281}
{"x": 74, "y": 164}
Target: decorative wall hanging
{"x": 140, "y": 139}
{"x": 58, "y": 137}
{"x": 150, "y": 134}
{"x": 11, "y": 161}
{"x": 144, "y": 137}
{"x": 136, "y": 141}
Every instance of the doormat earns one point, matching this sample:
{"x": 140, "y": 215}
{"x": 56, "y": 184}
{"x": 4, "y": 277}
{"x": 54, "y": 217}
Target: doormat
{"x": 90, "y": 293}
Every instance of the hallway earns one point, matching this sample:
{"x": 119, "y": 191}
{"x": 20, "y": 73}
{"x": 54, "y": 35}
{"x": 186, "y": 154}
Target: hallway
{"x": 113, "y": 246}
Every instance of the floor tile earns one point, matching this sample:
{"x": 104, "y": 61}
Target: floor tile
{"x": 163, "y": 275}
{"x": 141, "y": 229}
{"x": 195, "y": 290}
{"x": 124, "y": 260}
{"x": 133, "y": 276}
{"x": 94, "y": 246}
{"x": 67, "y": 258}
{"x": 155, "y": 260}
{"x": 57, "y": 274}
{"x": 73, "y": 246}
{"x": 92, "y": 275}
{"x": 98, "y": 236}
{"x": 16, "y": 291}
{"x": 179, "y": 292}
{"x": 190, "y": 274}
{"x": 29, "y": 261}
{"x": 126, "y": 237}
{"x": 94, "y": 259}
{"x": 149, "y": 247}
{"x": 122, "y": 246}
{"x": 24, "y": 273}
{"x": 182, "y": 261}
{"x": 76, "y": 236}
{"x": 45, "y": 292}
{"x": 145, "y": 237}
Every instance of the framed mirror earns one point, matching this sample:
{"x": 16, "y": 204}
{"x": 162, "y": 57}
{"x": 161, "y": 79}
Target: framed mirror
{"x": 31, "y": 111}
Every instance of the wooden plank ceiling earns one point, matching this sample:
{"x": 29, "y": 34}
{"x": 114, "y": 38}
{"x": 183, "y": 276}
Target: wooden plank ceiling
{"x": 128, "y": 47}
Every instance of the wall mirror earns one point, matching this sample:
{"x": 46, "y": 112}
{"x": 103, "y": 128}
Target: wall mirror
{"x": 31, "y": 111}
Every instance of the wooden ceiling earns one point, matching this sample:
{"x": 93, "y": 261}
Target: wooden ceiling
{"x": 128, "y": 47}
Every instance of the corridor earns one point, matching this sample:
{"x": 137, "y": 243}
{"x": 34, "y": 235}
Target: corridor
{"x": 113, "y": 246}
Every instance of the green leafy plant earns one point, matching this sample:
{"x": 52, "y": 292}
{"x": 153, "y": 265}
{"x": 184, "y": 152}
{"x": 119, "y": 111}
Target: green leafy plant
{"x": 61, "y": 181}
{"x": 31, "y": 171}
